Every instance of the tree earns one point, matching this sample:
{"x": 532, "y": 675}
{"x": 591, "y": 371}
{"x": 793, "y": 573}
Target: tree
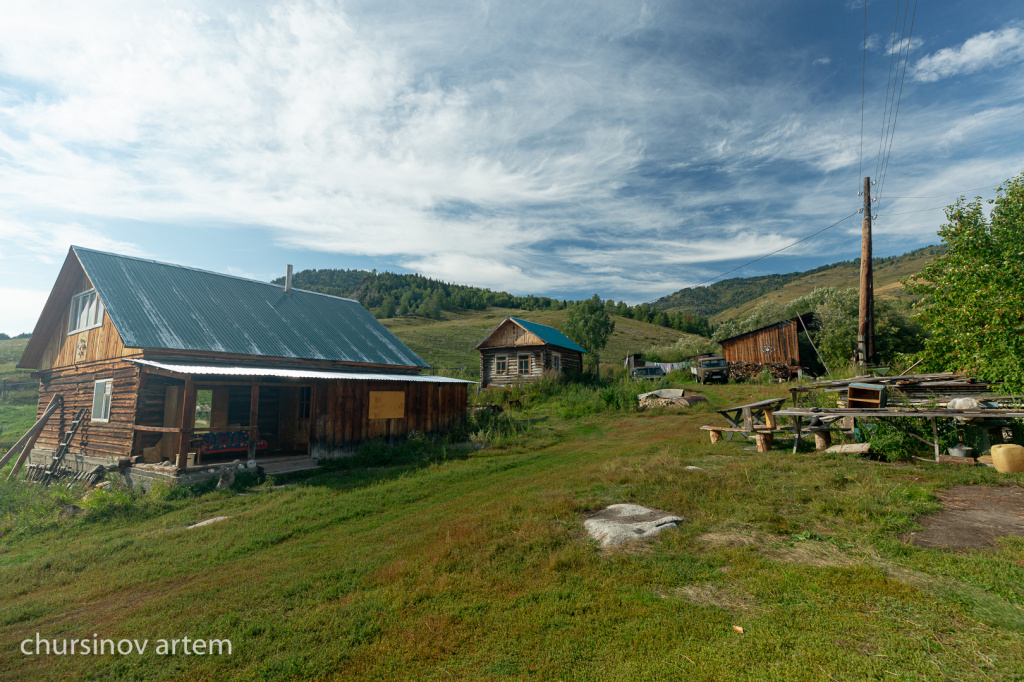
{"x": 589, "y": 324}
{"x": 972, "y": 296}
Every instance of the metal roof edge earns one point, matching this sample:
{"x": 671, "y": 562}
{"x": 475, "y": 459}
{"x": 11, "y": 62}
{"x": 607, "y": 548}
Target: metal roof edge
{"x": 256, "y": 371}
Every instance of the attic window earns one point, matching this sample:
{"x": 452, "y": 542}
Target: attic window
{"x": 86, "y": 312}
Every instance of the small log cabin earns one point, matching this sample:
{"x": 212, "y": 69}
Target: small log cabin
{"x": 775, "y": 343}
{"x": 277, "y": 372}
{"x": 517, "y": 351}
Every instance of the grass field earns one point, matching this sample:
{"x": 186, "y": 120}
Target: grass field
{"x": 18, "y": 409}
{"x": 463, "y": 563}
{"x": 451, "y": 343}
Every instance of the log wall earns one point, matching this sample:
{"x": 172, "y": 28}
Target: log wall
{"x": 75, "y": 385}
{"x": 340, "y": 412}
{"x": 541, "y": 360}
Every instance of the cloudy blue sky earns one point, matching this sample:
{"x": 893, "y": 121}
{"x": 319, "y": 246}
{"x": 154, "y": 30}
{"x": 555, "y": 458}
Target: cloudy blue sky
{"x": 560, "y": 148}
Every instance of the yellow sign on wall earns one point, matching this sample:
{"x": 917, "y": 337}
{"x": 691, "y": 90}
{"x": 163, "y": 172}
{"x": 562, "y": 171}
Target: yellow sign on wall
{"x": 387, "y": 404}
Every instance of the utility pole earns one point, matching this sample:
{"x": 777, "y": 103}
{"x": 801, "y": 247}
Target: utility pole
{"x": 866, "y": 327}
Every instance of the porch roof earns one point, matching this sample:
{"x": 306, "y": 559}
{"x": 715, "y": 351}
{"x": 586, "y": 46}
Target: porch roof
{"x": 250, "y": 371}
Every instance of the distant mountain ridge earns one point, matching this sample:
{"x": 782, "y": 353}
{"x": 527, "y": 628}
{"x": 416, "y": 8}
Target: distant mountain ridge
{"x": 720, "y": 298}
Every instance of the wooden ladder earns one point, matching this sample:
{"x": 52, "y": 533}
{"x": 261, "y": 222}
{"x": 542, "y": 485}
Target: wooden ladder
{"x": 57, "y": 463}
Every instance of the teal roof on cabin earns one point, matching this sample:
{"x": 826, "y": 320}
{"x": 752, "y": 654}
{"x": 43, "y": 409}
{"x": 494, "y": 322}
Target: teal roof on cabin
{"x": 159, "y": 305}
{"x": 549, "y": 334}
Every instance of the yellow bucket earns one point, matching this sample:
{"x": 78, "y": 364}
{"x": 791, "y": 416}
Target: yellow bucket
{"x": 1008, "y": 459}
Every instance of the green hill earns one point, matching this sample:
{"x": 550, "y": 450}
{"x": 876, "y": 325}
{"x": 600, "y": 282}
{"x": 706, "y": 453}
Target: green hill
{"x": 737, "y": 296}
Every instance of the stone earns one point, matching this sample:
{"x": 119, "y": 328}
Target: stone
{"x": 693, "y": 468}
{"x": 251, "y": 464}
{"x": 619, "y": 523}
{"x": 227, "y": 477}
{"x": 69, "y": 510}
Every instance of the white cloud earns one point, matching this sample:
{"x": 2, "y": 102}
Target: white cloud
{"x": 822, "y": 61}
{"x": 19, "y": 309}
{"x": 988, "y": 50}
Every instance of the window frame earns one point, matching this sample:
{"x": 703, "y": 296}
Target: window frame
{"x": 501, "y": 364}
{"x": 107, "y": 398}
{"x": 76, "y": 309}
{"x": 556, "y": 362}
{"x": 519, "y": 363}
{"x": 305, "y": 402}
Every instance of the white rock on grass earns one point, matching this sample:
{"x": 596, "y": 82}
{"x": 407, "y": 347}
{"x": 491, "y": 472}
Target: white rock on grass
{"x": 620, "y": 523}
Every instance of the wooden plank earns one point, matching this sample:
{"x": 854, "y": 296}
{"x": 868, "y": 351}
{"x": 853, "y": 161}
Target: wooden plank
{"x": 27, "y": 441}
{"x": 188, "y": 416}
{"x": 254, "y": 410}
{"x": 851, "y": 449}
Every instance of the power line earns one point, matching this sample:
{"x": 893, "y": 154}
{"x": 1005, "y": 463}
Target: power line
{"x": 885, "y": 108}
{"x": 799, "y": 241}
{"x": 948, "y": 194}
{"x": 906, "y": 60}
{"x": 920, "y": 210}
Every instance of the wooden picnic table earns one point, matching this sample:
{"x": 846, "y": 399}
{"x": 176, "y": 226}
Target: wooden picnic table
{"x": 753, "y": 419}
{"x": 761, "y": 413}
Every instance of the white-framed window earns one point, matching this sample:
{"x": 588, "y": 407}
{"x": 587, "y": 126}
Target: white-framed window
{"x": 101, "y": 392}
{"x": 556, "y": 362}
{"x": 524, "y": 364}
{"x": 501, "y": 364}
{"x": 86, "y": 312}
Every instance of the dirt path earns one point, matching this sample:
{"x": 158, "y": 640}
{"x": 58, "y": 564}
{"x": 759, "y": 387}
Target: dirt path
{"x": 973, "y": 516}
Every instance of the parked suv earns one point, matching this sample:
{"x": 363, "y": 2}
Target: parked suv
{"x": 710, "y": 369}
{"x": 641, "y": 373}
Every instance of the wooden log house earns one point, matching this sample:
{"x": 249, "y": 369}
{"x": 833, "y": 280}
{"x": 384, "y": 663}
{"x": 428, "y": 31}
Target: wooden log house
{"x": 518, "y": 351}
{"x": 287, "y": 373}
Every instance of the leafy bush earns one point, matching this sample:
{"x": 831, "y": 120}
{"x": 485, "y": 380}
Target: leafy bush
{"x": 972, "y": 296}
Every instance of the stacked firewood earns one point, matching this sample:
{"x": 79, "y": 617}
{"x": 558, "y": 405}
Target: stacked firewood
{"x": 753, "y": 370}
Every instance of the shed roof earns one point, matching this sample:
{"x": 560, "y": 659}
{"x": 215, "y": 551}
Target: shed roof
{"x": 164, "y": 306}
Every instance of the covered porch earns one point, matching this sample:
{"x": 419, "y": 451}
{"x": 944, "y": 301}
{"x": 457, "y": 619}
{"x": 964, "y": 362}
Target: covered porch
{"x": 198, "y": 420}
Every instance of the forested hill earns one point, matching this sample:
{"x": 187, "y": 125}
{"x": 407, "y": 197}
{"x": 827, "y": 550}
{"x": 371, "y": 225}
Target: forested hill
{"x": 388, "y": 295}
{"x": 734, "y": 292}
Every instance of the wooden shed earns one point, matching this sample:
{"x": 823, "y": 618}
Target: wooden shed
{"x": 517, "y": 351}
{"x": 775, "y": 343}
{"x": 277, "y": 372}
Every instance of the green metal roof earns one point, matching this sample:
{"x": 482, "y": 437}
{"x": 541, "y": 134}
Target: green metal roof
{"x": 549, "y": 334}
{"x": 158, "y": 305}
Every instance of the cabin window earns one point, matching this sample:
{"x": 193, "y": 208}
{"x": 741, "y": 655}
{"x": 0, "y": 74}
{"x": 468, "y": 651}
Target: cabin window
{"x": 556, "y": 362}
{"x": 101, "y": 400}
{"x": 305, "y": 400}
{"x": 524, "y": 364}
{"x": 501, "y": 364}
{"x": 86, "y": 312}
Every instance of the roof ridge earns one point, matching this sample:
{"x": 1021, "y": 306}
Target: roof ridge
{"x": 205, "y": 272}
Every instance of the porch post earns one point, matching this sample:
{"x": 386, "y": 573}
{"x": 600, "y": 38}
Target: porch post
{"x": 187, "y": 422}
{"x": 254, "y": 404}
